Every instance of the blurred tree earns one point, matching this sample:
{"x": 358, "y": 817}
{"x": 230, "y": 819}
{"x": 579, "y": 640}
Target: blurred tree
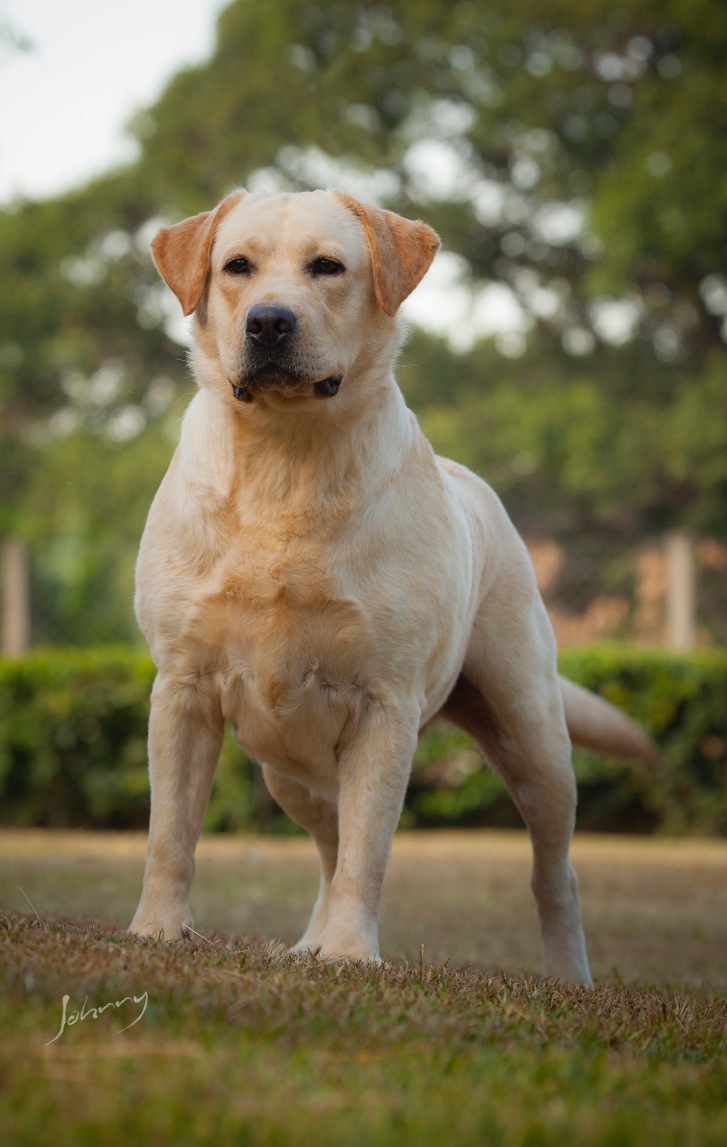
{"x": 576, "y": 154}
{"x": 577, "y": 148}
{"x": 83, "y": 512}
{"x": 12, "y": 39}
{"x": 571, "y": 443}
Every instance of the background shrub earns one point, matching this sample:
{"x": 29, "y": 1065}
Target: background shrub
{"x": 73, "y": 750}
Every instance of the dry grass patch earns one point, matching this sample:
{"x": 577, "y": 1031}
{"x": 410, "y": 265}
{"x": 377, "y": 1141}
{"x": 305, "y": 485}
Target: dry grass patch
{"x": 655, "y": 909}
{"x": 246, "y": 1042}
{"x": 237, "y": 1041}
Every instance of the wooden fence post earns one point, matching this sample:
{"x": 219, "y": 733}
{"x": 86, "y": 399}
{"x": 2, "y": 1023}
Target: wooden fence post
{"x": 15, "y": 598}
{"x": 681, "y": 592}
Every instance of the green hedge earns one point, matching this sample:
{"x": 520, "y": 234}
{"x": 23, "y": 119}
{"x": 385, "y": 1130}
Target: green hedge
{"x": 680, "y": 699}
{"x": 73, "y": 750}
{"x": 73, "y": 738}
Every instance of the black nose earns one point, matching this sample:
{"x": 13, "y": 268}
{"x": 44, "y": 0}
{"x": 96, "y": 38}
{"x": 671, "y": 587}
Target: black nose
{"x": 269, "y": 325}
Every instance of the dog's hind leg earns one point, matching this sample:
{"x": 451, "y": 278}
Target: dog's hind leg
{"x": 508, "y": 699}
{"x": 319, "y": 817}
{"x": 541, "y": 783}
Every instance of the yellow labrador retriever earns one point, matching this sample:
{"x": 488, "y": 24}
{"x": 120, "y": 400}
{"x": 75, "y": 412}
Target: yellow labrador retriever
{"x": 312, "y": 573}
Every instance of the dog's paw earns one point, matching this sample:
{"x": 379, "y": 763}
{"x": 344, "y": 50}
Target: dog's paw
{"x": 165, "y": 927}
{"x": 358, "y": 957}
{"x": 357, "y": 949}
{"x": 306, "y": 946}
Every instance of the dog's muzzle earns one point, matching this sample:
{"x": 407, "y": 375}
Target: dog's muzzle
{"x": 271, "y": 358}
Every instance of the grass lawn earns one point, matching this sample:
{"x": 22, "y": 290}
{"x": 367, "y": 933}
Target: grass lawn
{"x": 237, "y": 1040}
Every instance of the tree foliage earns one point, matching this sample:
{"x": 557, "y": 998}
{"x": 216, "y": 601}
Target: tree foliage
{"x": 584, "y": 145}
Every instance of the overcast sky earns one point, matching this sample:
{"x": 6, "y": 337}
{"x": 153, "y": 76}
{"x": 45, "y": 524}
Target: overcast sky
{"x": 92, "y": 64}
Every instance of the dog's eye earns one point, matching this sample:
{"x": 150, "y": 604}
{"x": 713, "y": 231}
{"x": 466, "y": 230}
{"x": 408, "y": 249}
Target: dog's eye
{"x": 324, "y": 266}
{"x": 239, "y": 266}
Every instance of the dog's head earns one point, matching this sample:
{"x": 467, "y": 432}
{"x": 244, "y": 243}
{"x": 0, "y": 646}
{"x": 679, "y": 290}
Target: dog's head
{"x": 294, "y": 295}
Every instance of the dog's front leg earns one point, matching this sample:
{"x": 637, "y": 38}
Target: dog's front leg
{"x": 185, "y": 737}
{"x": 373, "y": 775}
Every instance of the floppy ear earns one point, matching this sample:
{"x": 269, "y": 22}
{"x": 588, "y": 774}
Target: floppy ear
{"x": 182, "y": 252}
{"x": 401, "y": 252}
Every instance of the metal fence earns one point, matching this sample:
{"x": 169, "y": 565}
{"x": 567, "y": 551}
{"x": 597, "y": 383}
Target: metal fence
{"x": 669, "y": 591}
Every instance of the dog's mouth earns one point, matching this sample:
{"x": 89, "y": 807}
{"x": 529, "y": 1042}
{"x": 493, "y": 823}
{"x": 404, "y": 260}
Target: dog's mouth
{"x": 328, "y": 387}
{"x": 284, "y": 383}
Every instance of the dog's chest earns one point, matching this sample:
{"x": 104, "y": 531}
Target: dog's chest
{"x": 293, "y": 655}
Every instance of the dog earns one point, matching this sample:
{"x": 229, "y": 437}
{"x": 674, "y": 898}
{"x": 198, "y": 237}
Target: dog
{"x": 311, "y": 573}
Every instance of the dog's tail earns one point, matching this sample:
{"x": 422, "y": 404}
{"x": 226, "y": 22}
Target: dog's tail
{"x": 598, "y": 725}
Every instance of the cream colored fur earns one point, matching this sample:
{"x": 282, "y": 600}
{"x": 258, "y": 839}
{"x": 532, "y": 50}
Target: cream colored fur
{"x": 312, "y": 573}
